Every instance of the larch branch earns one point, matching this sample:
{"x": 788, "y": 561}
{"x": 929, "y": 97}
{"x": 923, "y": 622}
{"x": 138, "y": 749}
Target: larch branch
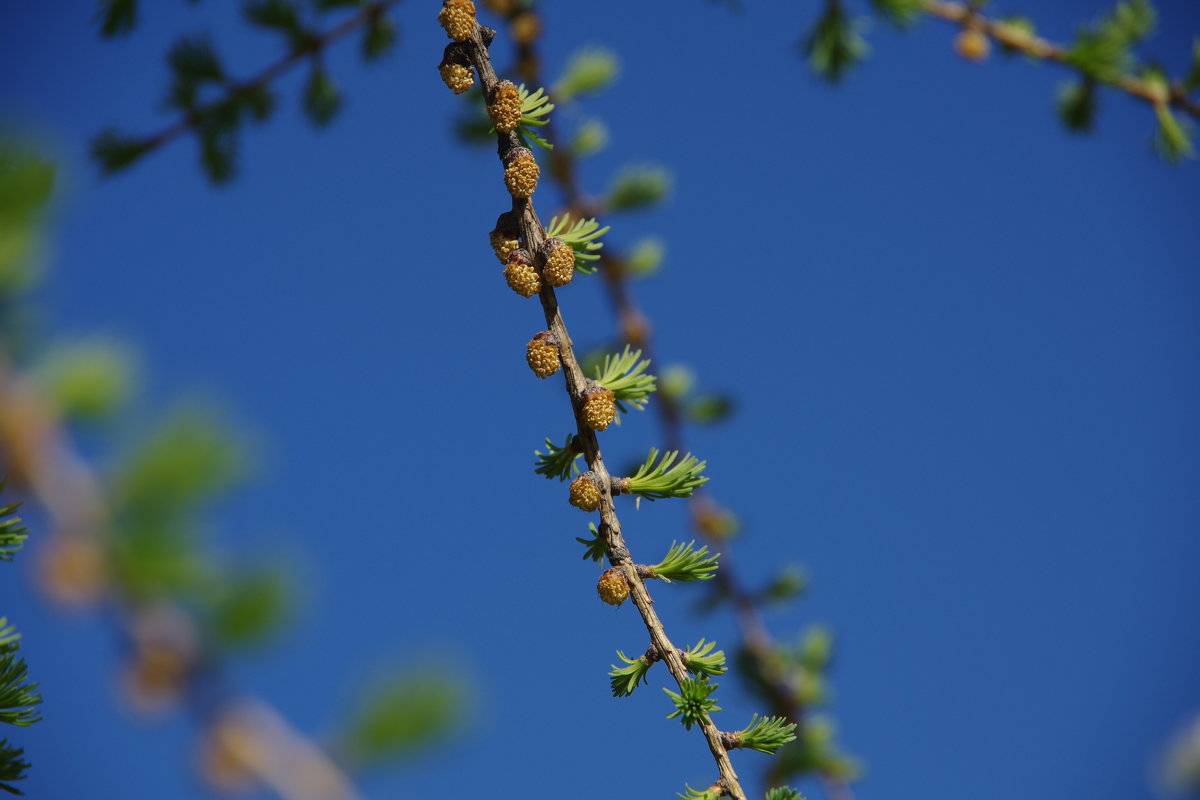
{"x": 534, "y": 235}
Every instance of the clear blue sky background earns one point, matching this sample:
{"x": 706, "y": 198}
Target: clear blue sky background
{"x": 964, "y": 345}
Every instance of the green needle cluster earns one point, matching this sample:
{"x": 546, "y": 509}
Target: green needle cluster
{"x": 558, "y": 462}
{"x": 627, "y": 678}
{"x": 535, "y": 110}
{"x": 700, "y": 663}
{"x": 12, "y": 531}
{"x": 657, "y": 481}
{"x": 596, "y": 546}
{"x": 693, "y": 703}
{"x": 783, "y": 793}
{"x": 765, "y": 734}
{"x": 711, "y": 793}
{"x": 684, "y": 562}
{"x": 19, "y": 698}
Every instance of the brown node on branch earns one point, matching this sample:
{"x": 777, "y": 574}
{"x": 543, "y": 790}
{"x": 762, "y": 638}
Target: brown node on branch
{"x": 731, "y": 740}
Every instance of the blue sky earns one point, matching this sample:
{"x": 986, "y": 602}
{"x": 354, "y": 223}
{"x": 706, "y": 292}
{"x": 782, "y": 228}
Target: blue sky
{"x": 963, "y": 344}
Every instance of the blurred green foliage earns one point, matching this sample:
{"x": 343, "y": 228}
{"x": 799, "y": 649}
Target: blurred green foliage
{"x": 1077, "y": 105}
{"x": 1105, "y": 50}
{"x": 116, "y": 17}
{"x": 588, "y": 71}
{"x": 815, "y": 750}
{"x": 401, "y": 715}
{"x": 215, "y": 106}
{"x": 163, "y": 492}
{"x": 591, "y": 136}
{"x": 795, "y": 675}
{"x": 678, "y": 382}
{"x": 26, "y": 184}
{"x": 788, "y": 583}
{"x": 190, "y": 456}
{"x": 159, "y": 490}
{"x": 322, "y": 99}
{"x": 646, "y": 257}
{"x": 249, "y": 604}
{"x": 835, "y": 43}
{"x": 90, "y": 380}
{"x": 1101, "y": 53}
{"x": 637, "y": 187}
{"x": 901, "y": 13}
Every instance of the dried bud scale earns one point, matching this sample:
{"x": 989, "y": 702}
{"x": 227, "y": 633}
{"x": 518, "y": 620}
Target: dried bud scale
{"x": 521, "y": 172}
{"x": 458, "y": 18}
{"x": 613, "y": 587}
{"x": 505, "y": 108}
{"x": 583, "y": 493}
{"x": 559, "y": 266}
{"x": 521, "y": 276}
{"x": 599, "y": 408}
{"x": 505, "y": 238}
{"x": 457, "y": 77}
{"x": 542, "y": 354}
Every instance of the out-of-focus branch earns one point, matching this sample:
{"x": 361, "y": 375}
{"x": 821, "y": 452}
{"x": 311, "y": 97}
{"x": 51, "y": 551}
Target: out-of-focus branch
{"x": 1102, "y": 54}
{"x": 248, "y": 740}
{"x": 1020, "y": 39}
{"x": 115, "y": 152}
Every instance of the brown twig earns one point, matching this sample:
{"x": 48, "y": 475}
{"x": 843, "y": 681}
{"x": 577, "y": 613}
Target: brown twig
{"x": 534, "y": 235}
